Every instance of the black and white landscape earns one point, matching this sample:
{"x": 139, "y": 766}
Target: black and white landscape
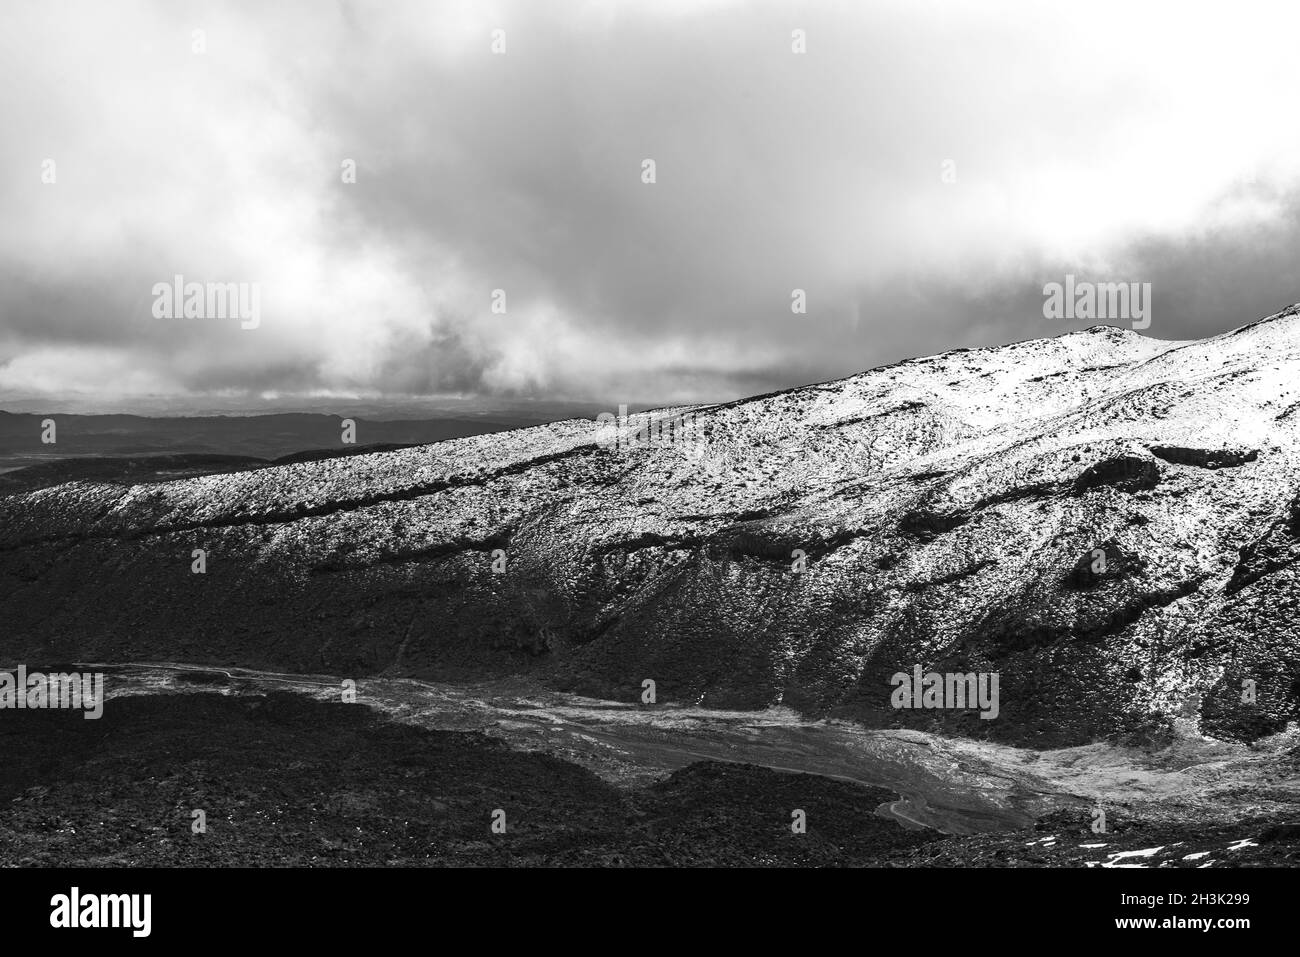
{"x": 589, "y": 623}
{"x": 408, "y": 456}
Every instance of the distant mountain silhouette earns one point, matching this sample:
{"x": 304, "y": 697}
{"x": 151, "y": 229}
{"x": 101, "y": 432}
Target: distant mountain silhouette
{"x": 262, "y": 436}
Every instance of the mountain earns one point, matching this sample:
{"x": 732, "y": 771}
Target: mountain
{"x": 1108, "y": 522}
{"x": 258, "y": 436}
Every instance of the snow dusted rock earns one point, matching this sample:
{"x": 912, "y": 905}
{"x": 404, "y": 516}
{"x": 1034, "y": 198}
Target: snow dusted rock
{"x": 1109, "y": 522}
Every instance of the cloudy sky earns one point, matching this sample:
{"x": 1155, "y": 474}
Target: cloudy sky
{"x": 921, "y": 171}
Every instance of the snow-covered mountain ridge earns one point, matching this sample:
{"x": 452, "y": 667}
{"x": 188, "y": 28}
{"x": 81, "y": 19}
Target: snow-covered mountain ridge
{"x": 799, "y": 547}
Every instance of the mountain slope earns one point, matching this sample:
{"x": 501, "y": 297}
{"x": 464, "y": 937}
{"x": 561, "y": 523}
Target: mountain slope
{"x": 950, "y": 512}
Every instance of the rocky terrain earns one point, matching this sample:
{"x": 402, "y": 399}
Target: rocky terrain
{"x": 1107, "y": 521}
{"x": 285, "y": 780}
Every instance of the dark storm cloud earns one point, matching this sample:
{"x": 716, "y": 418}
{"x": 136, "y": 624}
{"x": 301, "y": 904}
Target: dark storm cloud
{"x": 921, "y": 172}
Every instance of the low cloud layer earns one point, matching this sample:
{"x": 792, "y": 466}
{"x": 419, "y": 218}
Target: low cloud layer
{"x": 921, "y": 171}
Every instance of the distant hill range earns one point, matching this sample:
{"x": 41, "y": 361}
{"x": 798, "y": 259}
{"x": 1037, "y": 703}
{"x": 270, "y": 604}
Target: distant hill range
{"x": 145, "y": 448}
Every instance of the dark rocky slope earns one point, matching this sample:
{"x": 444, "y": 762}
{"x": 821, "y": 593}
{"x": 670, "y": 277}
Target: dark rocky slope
{"x": 950, "y": 511}
{"x": 283, "y": 780}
